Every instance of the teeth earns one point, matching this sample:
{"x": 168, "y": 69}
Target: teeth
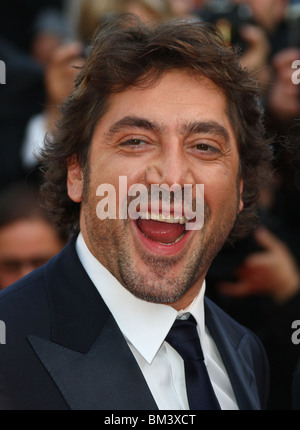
{"x": 177, "y": 240}
{"x": 173, "y": 243}
{"x": 163, "y": 218}
{"x": 168, "y": 244}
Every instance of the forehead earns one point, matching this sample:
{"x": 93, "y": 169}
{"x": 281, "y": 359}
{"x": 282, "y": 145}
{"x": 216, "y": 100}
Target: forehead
{"x": 176, "y": 99}
{"x": 22, "y": 234}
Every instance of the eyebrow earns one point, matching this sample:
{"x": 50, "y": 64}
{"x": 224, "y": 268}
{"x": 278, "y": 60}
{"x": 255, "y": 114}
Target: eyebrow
{"x": 196, "y": 127}
{"x": 206, "y": 127}
{"x": 134, "y": 122}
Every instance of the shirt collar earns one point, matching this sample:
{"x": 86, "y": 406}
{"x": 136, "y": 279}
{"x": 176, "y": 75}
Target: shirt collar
{"x": 144, "y": 324}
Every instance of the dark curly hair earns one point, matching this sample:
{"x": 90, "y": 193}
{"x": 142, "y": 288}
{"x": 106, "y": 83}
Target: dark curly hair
{"x": 128, "y": 53}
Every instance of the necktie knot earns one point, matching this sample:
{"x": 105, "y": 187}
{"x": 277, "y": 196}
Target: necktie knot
{"x": 183, "y": 337}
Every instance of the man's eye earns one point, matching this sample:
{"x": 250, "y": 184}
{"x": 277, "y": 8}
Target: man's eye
{"x": 133, "y": 142}
{"x": 205, "y": 148}
{"x": 206, "y": 151}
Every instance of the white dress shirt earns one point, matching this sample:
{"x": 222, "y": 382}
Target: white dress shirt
{"x": 145, "y": 326}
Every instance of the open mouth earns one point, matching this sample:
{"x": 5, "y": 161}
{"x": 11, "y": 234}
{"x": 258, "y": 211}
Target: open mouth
{"x": 164, "y": 230}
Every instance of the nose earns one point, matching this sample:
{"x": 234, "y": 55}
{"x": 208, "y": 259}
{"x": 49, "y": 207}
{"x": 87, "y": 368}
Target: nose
{"x": 170, "y": 167}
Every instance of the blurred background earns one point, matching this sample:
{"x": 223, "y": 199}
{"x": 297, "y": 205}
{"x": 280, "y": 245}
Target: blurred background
{"x": 43, "y": 42}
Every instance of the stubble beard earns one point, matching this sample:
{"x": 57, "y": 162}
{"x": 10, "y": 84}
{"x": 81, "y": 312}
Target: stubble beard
{"x": 110, "y": 239}
{"x": 160, "y": 284}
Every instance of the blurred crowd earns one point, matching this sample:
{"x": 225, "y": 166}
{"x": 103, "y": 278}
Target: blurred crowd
{"x": 44, "y": 42}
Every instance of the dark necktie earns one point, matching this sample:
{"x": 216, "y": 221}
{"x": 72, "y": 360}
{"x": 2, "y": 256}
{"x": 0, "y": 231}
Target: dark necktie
{"x": 183, "y": 337}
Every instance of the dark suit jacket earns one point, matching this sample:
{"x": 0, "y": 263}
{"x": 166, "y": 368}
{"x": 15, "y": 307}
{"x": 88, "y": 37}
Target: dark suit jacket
{"x": 64, "y": 349}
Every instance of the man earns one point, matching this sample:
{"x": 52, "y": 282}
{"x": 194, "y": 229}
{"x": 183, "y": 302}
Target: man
{"x": 168, "y": 106}
{"x": 28, "y": 239}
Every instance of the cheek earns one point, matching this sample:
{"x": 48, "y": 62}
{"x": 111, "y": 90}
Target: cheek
{"x": 220, "y": 193}
{"x": 108, "y": 169}
{"x": 111, "y": 187}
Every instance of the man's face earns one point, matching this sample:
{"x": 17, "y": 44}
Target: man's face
{"x": 176, "y": 132}
{"x": 25, "y": 245}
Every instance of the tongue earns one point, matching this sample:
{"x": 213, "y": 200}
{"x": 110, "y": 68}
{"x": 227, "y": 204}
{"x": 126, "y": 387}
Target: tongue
{"x": 160, "y": 231}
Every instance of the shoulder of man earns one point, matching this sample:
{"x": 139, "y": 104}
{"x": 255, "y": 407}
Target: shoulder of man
{"x": 225, "y": 321}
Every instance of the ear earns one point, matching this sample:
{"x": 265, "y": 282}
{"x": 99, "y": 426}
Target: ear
{"x": 75, "y": 179}
{"x": 241, "y": 188}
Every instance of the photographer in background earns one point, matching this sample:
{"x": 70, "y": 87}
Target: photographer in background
{"x": 237, "y": 23}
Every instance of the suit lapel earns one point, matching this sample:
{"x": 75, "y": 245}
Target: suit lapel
{"x": 234, "y": 351}
{"x": 105, "y": 378}
{"x": 78, "y": 312}
{"x": 87, "y": 355}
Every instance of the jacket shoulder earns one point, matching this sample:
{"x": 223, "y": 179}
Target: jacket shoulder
{"x": 220, "y": 322}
